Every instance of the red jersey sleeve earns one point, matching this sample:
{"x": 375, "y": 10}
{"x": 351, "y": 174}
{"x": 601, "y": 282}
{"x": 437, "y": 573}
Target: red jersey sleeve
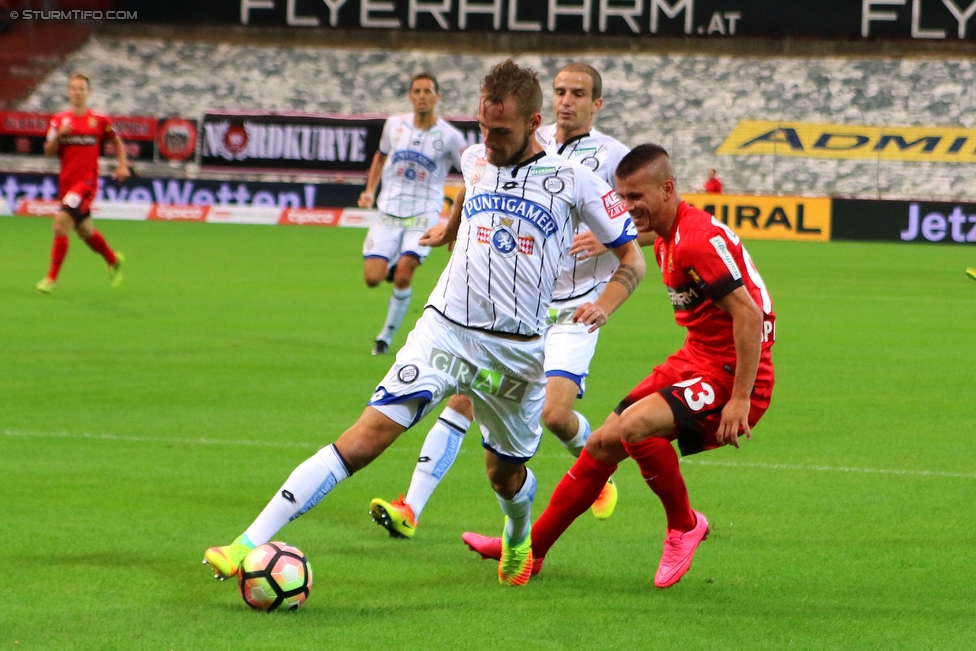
{"x": 708, "y": 255}
{"x": 106, "y": 130}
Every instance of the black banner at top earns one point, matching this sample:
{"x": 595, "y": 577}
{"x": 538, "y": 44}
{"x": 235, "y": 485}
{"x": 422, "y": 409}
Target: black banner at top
{"x": 846, "y": 19}
{"x": 276, "y": 141}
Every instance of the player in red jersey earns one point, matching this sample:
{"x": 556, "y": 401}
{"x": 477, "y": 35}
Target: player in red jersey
{"x": 712, "y": 184}
{"x": 76, "y": 137}
{"x": 706, "y": 395}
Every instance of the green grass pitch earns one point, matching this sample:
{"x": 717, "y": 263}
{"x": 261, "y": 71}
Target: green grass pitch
{"x": 141, "y": 425}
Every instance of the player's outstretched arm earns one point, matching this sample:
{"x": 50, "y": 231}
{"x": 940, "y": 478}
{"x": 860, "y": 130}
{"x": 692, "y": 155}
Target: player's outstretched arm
{"x": 123, "y": 171}
{"x": 747, "y": 333}
{"x": 368, "y": 196}
{"x": 622, "y": 284}
{"x": 440, "y": 235}
{"x": 586, "y": 245}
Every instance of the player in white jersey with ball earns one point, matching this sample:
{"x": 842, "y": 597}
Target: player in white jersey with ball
{"x": 481, "y": 331}
{"x": 569, "y": 347}
{"x": 416, "y": 152}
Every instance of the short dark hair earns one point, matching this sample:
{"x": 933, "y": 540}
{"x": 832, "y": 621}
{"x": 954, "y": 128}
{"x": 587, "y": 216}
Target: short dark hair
{"x": 507, "y": 79}
{"x": 595, "y": 77}
{"x": 638, "y": 157}
{"x": 426, "y": 75}
{"x": 80, "y": 75}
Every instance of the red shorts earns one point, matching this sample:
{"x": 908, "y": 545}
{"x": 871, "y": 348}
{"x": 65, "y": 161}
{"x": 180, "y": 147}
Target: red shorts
{"x": 696, "y": 393}
{"x": 77, "y": 199}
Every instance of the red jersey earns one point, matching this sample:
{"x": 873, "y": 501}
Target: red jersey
{"x": 79, "y": 149}
{"x": 713, "y": 186}
{"x": 702, "y": 261}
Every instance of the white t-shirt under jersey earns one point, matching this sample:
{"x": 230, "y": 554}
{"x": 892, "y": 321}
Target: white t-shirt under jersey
{"x": 516, "y": 227}
{"x": 417, "y": 162}
{"x": 600, "y": 154}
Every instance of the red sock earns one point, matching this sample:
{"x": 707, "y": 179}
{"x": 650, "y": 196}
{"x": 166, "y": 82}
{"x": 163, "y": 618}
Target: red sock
{"x": 100, "y": 246}
{"x": 58, "y": 251}
{"x": 658, "y": 464}
{"x": 575, "y": 493}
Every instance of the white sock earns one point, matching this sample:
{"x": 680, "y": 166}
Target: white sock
{"x": 304, "y": 488}
{"x": 519, "y": 510}
{"x": 575, "y": 446}
{"x": 399, "y": 303}
{"x": 440, "y": 449}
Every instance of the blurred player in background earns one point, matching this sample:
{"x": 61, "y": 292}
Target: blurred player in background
{"x": 481, "y": 331}
{"x": 715, "y": 388}
{"x": 577, "y": 96}
{"x": 75, "y": 137}
{"x": 712, "y": 185}
{"x": 416, "y": 152}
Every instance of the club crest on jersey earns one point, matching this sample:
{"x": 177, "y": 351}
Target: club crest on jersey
{"x": 554, "y": 185}
{"x": 590, "y": 163}
{"x": 613, "y": 205}
{"x": 503, "y": 239}
{"x": 438, "y": 145}
{"x": 526, "y": 245}
{"x": 512, "y": 207}
{"x": 92, "y": 123}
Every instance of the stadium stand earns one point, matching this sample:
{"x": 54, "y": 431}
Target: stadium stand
{"x": 31, "y": 50}
{"x": 687, "y": 102}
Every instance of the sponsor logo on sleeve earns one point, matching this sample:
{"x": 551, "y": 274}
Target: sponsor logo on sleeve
{"x": 613, "y": 205}
{"x": 723, "y": 252}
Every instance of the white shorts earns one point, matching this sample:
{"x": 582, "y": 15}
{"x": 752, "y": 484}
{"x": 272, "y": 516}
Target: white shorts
{"x": 392, "y": 236}
{"x": 569, "y": 346}
{"x": 504, "y": 379}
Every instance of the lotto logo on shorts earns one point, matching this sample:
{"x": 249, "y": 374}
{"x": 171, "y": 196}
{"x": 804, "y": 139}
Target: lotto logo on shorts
{"x": 483, "y": 380}
{"x": 613, "y": 205}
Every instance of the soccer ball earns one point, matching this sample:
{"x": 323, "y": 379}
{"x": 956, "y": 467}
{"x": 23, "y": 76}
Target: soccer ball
{"x": 275, "y": 575}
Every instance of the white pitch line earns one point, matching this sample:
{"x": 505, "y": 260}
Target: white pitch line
{"x": 313, "y": 446}
{"x": 150, "y": 439}
{"x": 876, "y": 471}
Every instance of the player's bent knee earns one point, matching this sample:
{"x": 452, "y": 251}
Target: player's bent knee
{"x": 507, "y": 487}
{"x": 462, "y": 405}
{"x": 367, "y": 439}
{"x": 635, "y": 430}
{"x": 560, "y": 421}
{"x": 63, "y": 224}
{"x": 605, "y": 445}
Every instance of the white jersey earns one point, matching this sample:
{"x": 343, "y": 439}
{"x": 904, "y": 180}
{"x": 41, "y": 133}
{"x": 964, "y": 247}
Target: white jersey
{"x": 417, "y": 162}
{"x": 600, "y": 154}
{"x": 517, "y": 226}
